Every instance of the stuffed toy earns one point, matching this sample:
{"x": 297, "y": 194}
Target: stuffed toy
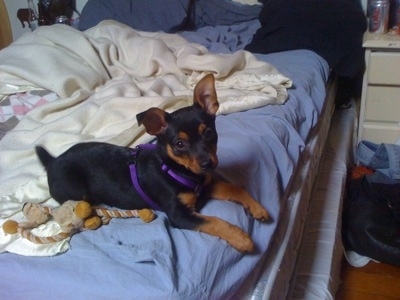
{"x": 72, "y": 216}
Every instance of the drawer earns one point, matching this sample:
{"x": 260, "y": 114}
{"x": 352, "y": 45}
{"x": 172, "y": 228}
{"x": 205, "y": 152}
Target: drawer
{"x": 380, "y": 133}
{"x": 384, "y": 68}
{"x": 383, "y": 103}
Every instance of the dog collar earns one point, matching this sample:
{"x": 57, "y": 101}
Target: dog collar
{"x": 196, "y": 187}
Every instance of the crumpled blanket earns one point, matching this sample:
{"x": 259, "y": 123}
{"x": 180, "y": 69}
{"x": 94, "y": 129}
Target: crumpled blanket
{"x": 104, "y": 77}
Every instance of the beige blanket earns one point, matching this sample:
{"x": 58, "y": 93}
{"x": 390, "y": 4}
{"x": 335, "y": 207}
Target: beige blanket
{"x": 104, "y": 77}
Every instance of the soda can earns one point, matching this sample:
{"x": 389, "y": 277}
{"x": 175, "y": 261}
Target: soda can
{"x": 378, "y": 12}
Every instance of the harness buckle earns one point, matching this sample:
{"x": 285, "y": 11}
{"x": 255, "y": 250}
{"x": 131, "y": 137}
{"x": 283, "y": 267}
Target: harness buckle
{"x": 133, "y": 158}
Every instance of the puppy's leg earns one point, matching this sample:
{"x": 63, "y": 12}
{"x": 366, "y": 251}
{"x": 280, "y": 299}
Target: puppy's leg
{"x": 225, "y": 191}
{"x": 185, "y": 218}
{"x": 236, "y": 237}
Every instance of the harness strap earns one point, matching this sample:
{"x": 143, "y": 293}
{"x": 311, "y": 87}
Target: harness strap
{"x": 196, "y": 187}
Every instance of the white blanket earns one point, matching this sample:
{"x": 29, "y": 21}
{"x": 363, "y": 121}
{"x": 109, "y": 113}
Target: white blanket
{"x": 104, "y": 77}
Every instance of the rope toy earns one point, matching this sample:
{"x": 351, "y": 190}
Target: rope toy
{"x": 72, "y": 216}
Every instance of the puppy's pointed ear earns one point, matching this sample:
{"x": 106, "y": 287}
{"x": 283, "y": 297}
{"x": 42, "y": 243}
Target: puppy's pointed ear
{"x": 154, "y": 120}
{"x": 205, "y": 95}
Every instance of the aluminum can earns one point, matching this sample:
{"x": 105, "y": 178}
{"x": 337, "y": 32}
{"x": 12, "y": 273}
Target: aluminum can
{"x": 378, "y": 12}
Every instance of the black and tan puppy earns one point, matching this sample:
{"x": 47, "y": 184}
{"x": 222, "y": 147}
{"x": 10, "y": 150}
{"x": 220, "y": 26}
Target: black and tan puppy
{"x": 174, "y": 176}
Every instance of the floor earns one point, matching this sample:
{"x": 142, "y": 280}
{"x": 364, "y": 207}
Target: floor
{"x": 375, "y": 281}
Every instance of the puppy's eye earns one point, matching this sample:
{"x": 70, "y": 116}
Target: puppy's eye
{"x": 208, "y": 134}
{"x": 180, "y": 145}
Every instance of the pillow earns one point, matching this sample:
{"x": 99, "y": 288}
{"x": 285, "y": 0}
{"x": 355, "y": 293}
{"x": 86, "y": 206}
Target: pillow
{"x": 223, "y": 12}
{"x": 147, "y": 15}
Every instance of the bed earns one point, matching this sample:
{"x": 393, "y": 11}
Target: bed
{"x": 280, "y": 138}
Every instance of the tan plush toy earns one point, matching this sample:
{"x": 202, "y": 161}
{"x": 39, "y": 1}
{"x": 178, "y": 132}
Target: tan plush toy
{"x": 72, "y": 216}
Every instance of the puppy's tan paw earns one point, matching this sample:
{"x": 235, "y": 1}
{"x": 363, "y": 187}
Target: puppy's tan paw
{"x": 232, "y": 234}
{"x": 258, "y": 212}
{"x": 241, "y": 241}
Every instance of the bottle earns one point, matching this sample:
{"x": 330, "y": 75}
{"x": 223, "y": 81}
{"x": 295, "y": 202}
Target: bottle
{"x": 44, "y": 18}
{"x": 33, "y": 19}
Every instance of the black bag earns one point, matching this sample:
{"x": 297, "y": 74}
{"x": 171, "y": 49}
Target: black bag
{"x": 371, "y": 220}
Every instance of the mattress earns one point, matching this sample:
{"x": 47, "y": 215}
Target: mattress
{"x": 317, "y": 271}
{"x": 272, "y": 277}
{"x": 305, "y": 257}
{"x": 267, "y": 150}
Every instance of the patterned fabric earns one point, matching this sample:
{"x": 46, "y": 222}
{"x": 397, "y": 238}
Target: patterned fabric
{"x": 14, "y": 107}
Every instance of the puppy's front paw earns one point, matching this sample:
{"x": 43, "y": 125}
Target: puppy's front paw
{"x": 258, "y": 212}
{"x": 240, "y": 240}
{"x": 232, "y": 234}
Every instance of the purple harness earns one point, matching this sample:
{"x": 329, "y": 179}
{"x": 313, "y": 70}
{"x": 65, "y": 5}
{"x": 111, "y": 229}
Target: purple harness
{"x": 196, "y": 187}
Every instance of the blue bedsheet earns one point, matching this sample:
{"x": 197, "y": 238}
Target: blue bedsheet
{"x": 127, "y": 259}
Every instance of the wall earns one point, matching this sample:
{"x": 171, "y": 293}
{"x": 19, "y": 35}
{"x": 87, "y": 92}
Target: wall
{"x": 14, "y": 5}
{"x": 364, "y": 5}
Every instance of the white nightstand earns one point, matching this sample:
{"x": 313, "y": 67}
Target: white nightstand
{"x": 380, "y": 102}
